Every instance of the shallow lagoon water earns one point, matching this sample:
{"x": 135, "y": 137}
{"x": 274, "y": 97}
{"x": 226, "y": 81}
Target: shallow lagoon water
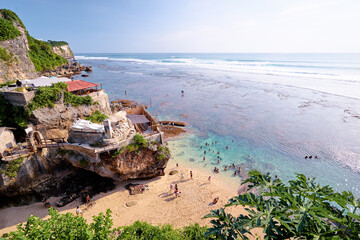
{"x": 275, "y": 119}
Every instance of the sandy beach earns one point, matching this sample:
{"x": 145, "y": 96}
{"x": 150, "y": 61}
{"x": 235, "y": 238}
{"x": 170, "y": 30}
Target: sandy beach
{"x": 157, "y": 205}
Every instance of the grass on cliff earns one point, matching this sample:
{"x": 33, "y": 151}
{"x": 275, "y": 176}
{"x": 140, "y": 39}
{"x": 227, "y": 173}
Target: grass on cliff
{"x": 97, "y": 117}
{"x": 11, "y": 16}
{"x": 42, "y": 56}
{"x": 6, "y": 56}
{"x": 11, "y": 169}
{"x": 48, "y": 96}
{"x": 8, "y": 30}
{"x": 57, "y": 43}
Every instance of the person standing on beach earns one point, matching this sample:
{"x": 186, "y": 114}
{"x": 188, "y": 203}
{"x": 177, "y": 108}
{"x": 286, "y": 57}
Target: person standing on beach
{"x": 191, "y": 174}
{"x": 209, "y": 179}
{"x": 171, "y": 186}
{"x": 78, "y": 211}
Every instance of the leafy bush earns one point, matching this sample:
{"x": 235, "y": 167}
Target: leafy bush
{"x": 163, "y": 149}
{"x": 160, "y": 157}
{"x": 12, "y": 116}
{"x": 97, "y": 117}
{"x": 131, "y": 147}
{"x": 140, "y": 140}
{"x": 68, "y": 226}
{"x": 301, "y": 210}
{"x": 118, "y": 152}
{"x": 12, "y": 168}
{"x": 42, "y": 56}
{"x": 64, "y": 226}
{"x": 11, "y": 16}
{"x": 57, "y": 43}
{"x": 8, "y": 30}
{"x": 8, "y": 83}
{"x": 47, "y": 96}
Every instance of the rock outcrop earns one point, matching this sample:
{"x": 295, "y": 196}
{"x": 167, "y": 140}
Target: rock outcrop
{"x": 19, "y": 64}
{"x": 67, "y": 70}
{"x": 64, "y": 51}
{"x": 145, "y": 162}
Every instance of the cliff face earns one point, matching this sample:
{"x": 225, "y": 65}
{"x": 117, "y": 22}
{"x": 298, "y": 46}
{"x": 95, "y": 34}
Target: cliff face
{"x": 63, "y": 51}
{"x": 54, "y": 122}
{"x": 143, "y": 163}
{"x": 19, "y": 65}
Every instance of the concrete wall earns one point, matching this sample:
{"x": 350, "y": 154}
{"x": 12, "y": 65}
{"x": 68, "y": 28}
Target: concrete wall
{"x": 84, "y": 137}
{"x": 7, "y": 140}
{"x": 19, "y": 98}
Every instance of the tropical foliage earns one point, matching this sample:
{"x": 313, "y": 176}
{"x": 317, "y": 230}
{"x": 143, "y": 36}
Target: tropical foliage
{"x": 97, "y": 117}
{"x": 12, "y": 116}
{"x": 301, "y": 210}
{"x": 11, "y": 16}
{"x": 48, "y": 96}
{"x": 11, "y": 169}
{"x": 57, "y": 43}
{"x": 68, "y": 226}
{"x": 8, "y": 30}
{"x": 42, "y": 55}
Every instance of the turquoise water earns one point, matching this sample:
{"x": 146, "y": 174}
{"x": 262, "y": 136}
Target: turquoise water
{"x": 272, "y": 110}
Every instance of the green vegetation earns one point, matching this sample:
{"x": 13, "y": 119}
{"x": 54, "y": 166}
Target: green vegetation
{"x": 97, "y": 117}
{"x": 118, "y": 152}
{"x": 163, "y": 149}
{"x": 42, "y": 56}
{"x": 6, "y": 56}
{"x": 84, "y": 162}
{"x": 160, "y": 157}
{"x": 68, "y": 226}
{"x": 12, "y": 116}
{"x": 61, "y": 151}
{"x": 47, "y": 96}
{"x": 132, "y": 147}
{"x": 12, "y": 168}
{"x": 11, "y": 16}
{"x": 57, "y": 43}
{"x": 6, "y": 84}
{"x": 8, "y": 30}
{"x": 140, "y": 141}
{"x": 301, "y": 210}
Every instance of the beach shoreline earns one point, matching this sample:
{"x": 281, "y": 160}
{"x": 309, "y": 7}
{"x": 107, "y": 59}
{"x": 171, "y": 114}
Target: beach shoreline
{"x": 157, "y": 205}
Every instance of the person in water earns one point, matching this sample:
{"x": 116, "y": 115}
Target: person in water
{"x": 235, "y": 173}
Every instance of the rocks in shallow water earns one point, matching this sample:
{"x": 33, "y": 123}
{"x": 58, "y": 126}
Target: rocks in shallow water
{"x": 130, "y": 204}
{"x": 173, "y": 172}
{"x": 191, "y": 160}
{"x": 84, "y": 75}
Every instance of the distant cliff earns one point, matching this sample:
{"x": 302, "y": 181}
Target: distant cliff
{"x": 22, "y": 56}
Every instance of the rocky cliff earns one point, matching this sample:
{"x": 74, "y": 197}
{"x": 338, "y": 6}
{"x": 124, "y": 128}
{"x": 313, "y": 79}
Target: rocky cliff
{"x": 17, "y": 62}
{"x": 63, "y": 51}
{"x": 24, "y": 57}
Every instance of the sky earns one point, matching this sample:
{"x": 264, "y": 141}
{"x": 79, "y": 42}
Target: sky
{"x": 194, "y": 26}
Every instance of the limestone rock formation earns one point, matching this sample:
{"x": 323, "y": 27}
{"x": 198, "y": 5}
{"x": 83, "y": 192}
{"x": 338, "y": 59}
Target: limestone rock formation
{"x": 63, "y": 51}
{"x": 20, "y": 65}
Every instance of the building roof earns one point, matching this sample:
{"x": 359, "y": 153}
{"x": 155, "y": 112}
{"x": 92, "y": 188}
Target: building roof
{"x": 45, "y": 81}
{"x": 138, "y": 118}
{"x": 76, "y": 85}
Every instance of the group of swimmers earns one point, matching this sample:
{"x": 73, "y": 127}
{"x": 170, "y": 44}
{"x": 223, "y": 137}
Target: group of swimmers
{"x": 226, "y": 168}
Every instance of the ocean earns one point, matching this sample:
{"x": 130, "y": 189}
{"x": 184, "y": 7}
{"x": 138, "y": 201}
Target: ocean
{"x": 271, "y": 110}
